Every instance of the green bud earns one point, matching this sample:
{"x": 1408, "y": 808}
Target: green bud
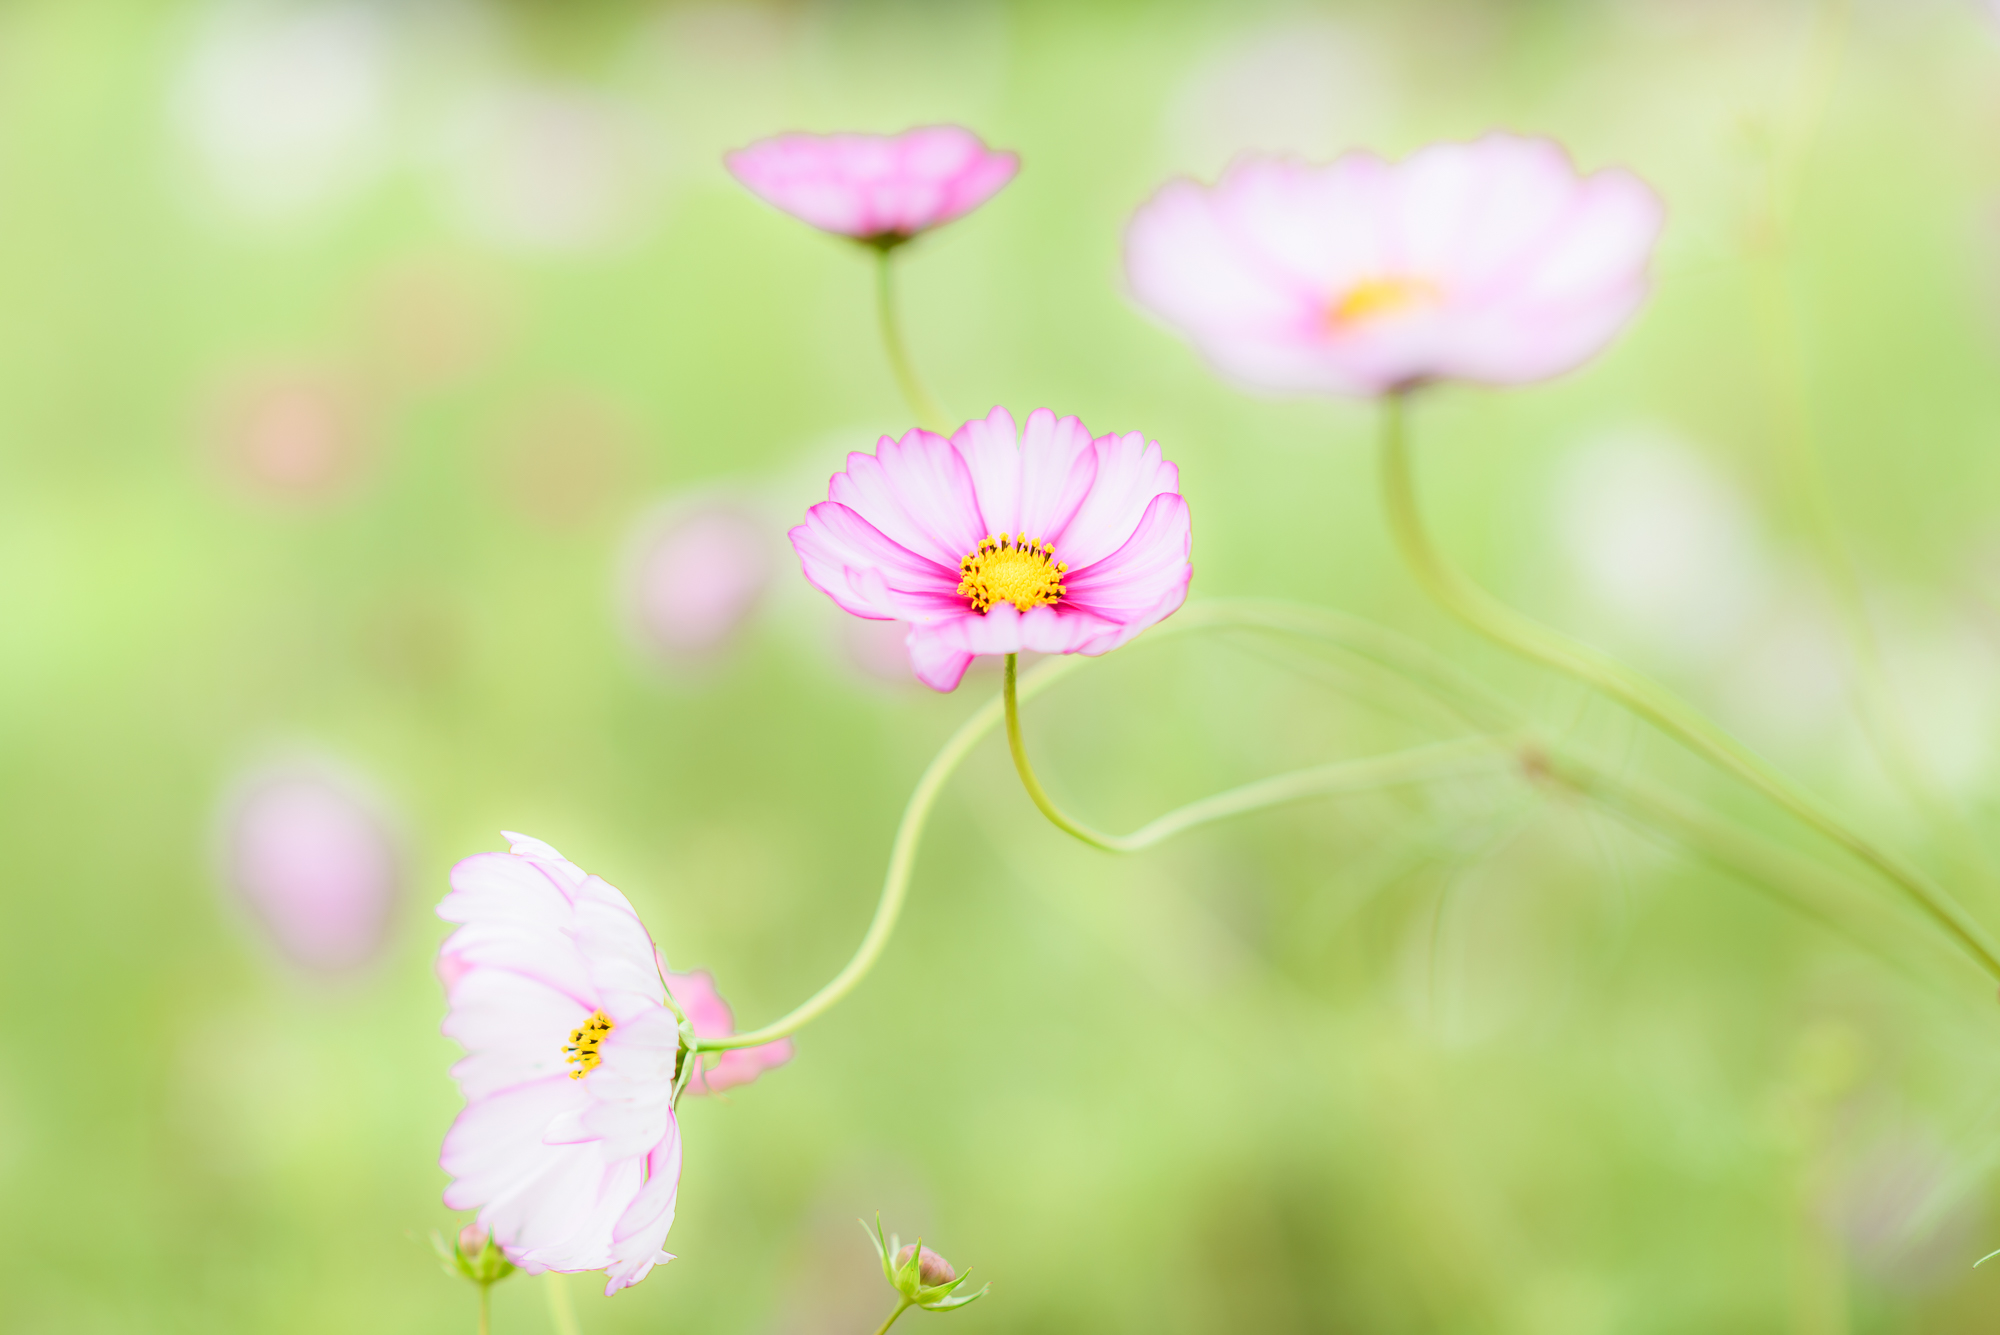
{"x": 920, "y": 1275}
{"x": 473, "y": 1255}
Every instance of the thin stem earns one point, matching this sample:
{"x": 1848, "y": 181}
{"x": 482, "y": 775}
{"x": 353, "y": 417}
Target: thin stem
{"x": 485, "y": 1309}
{"x": 1471, "y": 755}
{"x": 561, "y": 1312}
{"x": 896, "y": 884}
{"x": 1374, "y": 643}
{"x": 929, "y": 415}
{"x": 1643, "y": 696}
{"x": 901, "y": 1308}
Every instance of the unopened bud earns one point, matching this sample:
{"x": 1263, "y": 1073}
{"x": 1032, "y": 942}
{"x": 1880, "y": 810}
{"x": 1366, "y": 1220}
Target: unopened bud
{"x": 471, "y": 1240}
{"x": 932, "y": 1269}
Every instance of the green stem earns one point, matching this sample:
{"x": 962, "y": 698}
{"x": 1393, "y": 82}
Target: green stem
{"x": 560, "y": 1310}
{"x": 1643, "y": 696}
{"x": 485, "y": 1309}
{"x": 929, "y": 415}
{"x": 1469, "y": 755}
{"x": 901, "y": 1308}
{"x": 1410, "y": 767}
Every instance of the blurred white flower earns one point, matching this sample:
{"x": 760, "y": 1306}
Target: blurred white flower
{"x": 694, "y": 576}
{"x": 1309, "y": 88}
{"x": 285, "y": 106}
{"x": 1663, "y": 544}
{"x": 312, "y": 853}
{"x": 544, "y": 168}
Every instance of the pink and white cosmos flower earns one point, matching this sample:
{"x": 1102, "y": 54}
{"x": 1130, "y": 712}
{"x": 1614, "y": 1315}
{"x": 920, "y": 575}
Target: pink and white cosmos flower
{"x": 567, "y": 1146}
{"x": 1493, "y": 261}
{"x": 879, "y": 188}
{"x": 999, "y": 541}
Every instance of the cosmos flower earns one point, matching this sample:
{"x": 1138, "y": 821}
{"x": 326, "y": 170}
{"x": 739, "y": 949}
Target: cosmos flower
{"x": 882, "y": 189}
{"x": 1492, "y": 261}
{"x": 567, "y": 1146}
{"x": 313, "y": 855}
{"x": 1000, "y": 541}
{"x": 693, "y": 578}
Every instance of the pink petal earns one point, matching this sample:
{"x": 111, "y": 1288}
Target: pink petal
{"x": 938, "y": 661}
{"x": 1130, "y": 473}
{"x": 918, "y": 492}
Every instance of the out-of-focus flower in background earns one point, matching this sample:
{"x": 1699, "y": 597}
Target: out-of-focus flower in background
{"x": 1003, "y": 539}
{"x": 1907, "y": 1207}
{"x": 285, "y": 107}
{"x": 1492, "y": 261}
{"x": 567, "y": 1146}
{"x": 694, "y": 576}
{"x": 1663, "y": 544}
{"x": 1305, "y": 87}
{"x": 313, "y": 854}
{"x": 295, "y": 434}
{"x": 546, "y": 168}
{"x": 882, "y": 189}
{"x": 431, "y": 321}
{"x": 565, "y": 454}
{"x": 710, "y": 1015}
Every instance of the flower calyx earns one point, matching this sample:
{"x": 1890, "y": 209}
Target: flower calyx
{"x": 473, "y": 1255}
{"x": 920, "y": 1275}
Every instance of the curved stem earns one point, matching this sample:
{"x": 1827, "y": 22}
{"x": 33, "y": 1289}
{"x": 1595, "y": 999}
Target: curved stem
{"x": 1643, "y": 696}
{"x": 1348, "y": 633}
{"x": 1471, "y": 755}
{"x": 896, "y": 884}
{"x": 901, "y": 1308}
{"x": 929, "y": 415}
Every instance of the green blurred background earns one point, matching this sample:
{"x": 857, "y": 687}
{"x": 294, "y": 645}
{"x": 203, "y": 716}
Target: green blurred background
{"x": 343, "y": 348}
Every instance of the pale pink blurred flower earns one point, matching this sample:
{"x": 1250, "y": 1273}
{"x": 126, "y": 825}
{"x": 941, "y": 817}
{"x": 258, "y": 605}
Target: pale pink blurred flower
{"x": 875, "y": 187}
{"x": 292, "y": 434}
{"x": 567, "y": 1146}
{"x": 313, "y": 855}
{"x": 705, "y": 1009}
{"x": 694, "y": 578}
{"x": 1002, "y": 540}
{"x": 1492, "y": 261}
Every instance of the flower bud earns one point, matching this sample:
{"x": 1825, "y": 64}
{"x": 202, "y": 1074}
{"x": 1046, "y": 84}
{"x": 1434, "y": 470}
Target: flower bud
{"x": 932, "y": 1269}
{"x": 473, "y": 1255}
{"x": 920, "y": 1275}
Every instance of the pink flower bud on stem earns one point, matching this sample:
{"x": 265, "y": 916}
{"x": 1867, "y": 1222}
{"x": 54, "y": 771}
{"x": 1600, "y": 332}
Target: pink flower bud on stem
{"x": 931, "y": 1268}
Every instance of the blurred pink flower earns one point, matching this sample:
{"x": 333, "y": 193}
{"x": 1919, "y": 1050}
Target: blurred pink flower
{"x": 710, "y": 1015}
{"x": 874, "y": 187}
{"x": 567, "y": 1146}
{"x": 999, "y": 541}
{"x": 1492, "y": 261}
{"x": 292, "y": 434}
{"x": 313, "y": 856}
{"x": 695, "y": 578}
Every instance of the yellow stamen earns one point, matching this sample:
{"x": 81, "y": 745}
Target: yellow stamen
{"x": 581, "y": 1050}
{"x": 1372, "y": 298}
{"x": 1011, "y": 569}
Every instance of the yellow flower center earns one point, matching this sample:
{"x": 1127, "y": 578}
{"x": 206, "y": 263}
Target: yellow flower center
{"x": 581, "y": 1050}
{"x": 1372, "y": 298}
{"x": 1013, "y": 570}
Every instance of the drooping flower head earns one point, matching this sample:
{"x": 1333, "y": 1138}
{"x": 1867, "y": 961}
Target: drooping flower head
{"x": 1003, "y": 540}
{"x": 1492, "y": 261}
{"x": 567, "y": 1147}
{"x": 878, "y": 188}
